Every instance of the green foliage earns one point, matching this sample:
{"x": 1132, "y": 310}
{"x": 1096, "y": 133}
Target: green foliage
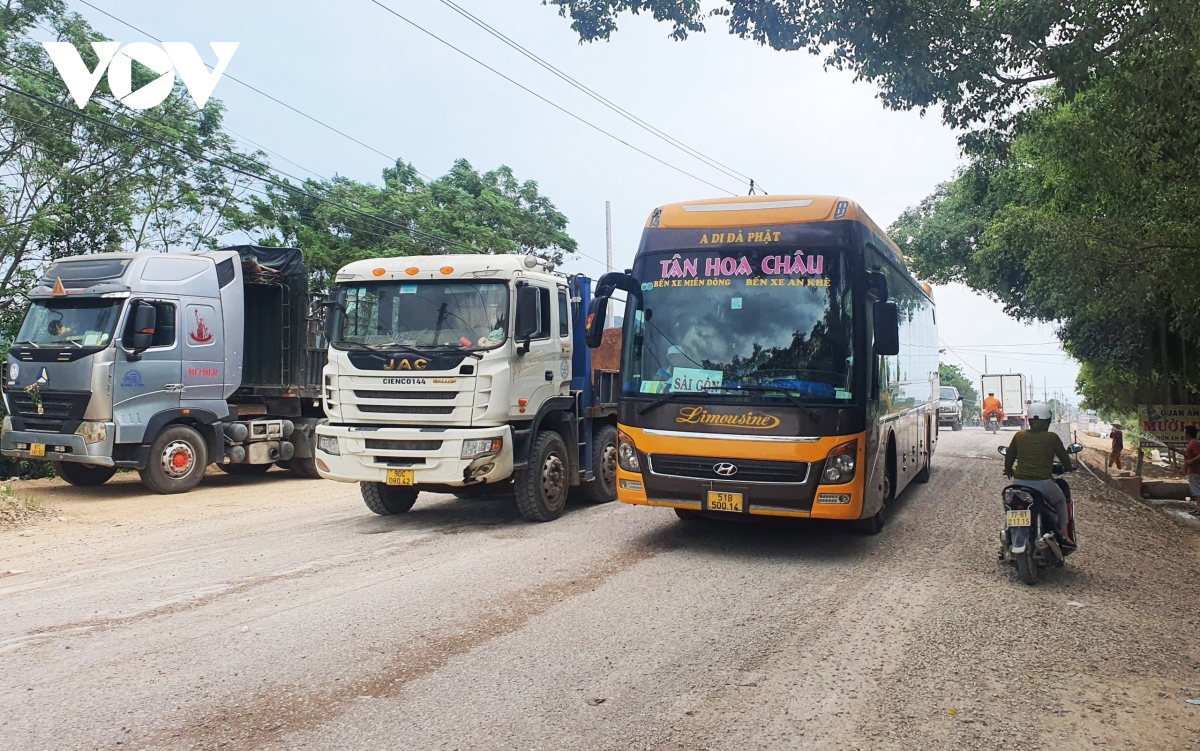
{"x": 974, "y": 59}
{"x": 953, "y": 375}
{"x": 488, "y": 213}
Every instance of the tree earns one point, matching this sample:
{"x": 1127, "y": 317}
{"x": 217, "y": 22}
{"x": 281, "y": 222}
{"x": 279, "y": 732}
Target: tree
{"x": 462, "y": 211}
{"x": 977, "y": 60}
{"x": 953, "y": 375}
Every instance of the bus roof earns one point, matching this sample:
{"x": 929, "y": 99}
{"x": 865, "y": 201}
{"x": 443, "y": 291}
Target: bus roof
{"x": 752, "y": 211}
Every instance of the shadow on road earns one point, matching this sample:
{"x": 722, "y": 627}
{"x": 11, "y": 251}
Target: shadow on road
{"x": 437, "y": 512}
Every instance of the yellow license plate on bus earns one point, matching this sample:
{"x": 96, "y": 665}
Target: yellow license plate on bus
{"x": 400, "y": 477}
{"x": 724, "y": 501}
{"x": 37, "y": 449}
{"x": 1019, "y": 518}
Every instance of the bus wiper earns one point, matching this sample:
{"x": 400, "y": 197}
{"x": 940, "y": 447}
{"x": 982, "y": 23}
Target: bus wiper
{"x": 768, "y": 390}
{"x": 660, "y": 401}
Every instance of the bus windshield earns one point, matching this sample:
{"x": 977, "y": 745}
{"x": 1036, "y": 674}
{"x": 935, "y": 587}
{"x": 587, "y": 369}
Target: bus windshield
{"x": 424, "y": 314}
{"x": 86, "y": 322}
{"x": 719, "y": 321}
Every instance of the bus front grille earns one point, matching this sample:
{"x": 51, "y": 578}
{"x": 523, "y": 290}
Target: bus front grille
{"x": 745, "y": 470}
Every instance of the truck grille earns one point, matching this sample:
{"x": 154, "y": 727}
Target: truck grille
{"x": 404, "y": 409}
{"x": 748, "y": 470}
{"x": 388, "y": 445}
{"x": 52, "y": 408}
{"x": 405, "y": 394}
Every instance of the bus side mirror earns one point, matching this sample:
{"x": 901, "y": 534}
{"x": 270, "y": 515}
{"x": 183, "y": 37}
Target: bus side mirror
{"x": 145, "y": 319}
{"x": 887, "y": 328}
{"x": 597, "y": 315}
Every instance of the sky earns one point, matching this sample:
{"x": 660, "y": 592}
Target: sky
{"x": 779, "y": 117}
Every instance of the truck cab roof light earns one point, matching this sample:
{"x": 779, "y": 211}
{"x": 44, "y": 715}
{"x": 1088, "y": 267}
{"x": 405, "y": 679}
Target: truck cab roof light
{"x": 447, "y": 269}
{"x": 412, "y": 271}
{"x": 379, "y": 272}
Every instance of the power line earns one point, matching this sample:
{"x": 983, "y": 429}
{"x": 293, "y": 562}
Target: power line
{"x": 558, "y": 107}
{"x": 665, "y": 137}
{"x": 259, "y": 91}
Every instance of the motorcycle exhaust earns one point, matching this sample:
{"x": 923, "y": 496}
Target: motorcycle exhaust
{"x": 1053, "y": 545}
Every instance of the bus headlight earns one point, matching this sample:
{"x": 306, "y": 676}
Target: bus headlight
{"x": 92, "y": 432}
{"x": 627, "y": 454}
{"x": 840, "y": 465}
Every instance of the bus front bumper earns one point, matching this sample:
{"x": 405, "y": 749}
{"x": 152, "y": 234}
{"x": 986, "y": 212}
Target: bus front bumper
{"x": 435, "y": 457}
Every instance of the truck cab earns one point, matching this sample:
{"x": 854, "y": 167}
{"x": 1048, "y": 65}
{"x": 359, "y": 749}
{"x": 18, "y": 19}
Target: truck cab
{"x": 950, "y": 408}
{"x": 165, "y": 363}
{"x": 463, "y": 374}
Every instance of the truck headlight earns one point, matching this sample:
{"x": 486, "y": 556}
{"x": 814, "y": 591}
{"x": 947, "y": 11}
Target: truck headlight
{"x": 477, "y": 447}
{"x": 92, "y": 432}
{"x": 329, "y": 444}
{"x": 627, "y": 455}
{"x": 840, "y": 465}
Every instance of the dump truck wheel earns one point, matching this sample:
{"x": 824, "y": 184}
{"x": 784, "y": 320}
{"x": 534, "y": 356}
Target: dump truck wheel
{"x": 542, "y": 486}
{"x": 178, "y": 458}
{"x": 306, "y": 468}
{"x": 603, "y": 489}
{"x": 84, "y": 475}
{"x": 387, "y": 500}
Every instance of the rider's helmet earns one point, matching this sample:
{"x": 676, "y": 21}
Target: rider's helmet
{"x": 991, "y": 393}
{"x": 1040, "y": 411}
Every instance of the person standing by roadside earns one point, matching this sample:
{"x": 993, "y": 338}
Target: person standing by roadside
{"x": 1191, "y": 466}
{"x": 1118, "y": 445}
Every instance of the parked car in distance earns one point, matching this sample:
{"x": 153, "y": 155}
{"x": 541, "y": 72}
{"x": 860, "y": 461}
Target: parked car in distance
{"x": 950, "y": 408}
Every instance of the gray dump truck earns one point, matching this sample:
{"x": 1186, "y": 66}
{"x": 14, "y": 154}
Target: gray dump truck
{"x": 167, "y": 363}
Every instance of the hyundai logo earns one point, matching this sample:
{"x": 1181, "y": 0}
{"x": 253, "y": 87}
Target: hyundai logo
{"x": 725, "y": 469}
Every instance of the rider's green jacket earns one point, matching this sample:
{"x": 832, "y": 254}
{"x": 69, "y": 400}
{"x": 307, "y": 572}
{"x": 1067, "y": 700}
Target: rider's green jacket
{"x": 1033, "y": 452}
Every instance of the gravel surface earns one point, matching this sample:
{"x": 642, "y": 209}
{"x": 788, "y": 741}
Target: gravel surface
{"x": 279, "y": 613}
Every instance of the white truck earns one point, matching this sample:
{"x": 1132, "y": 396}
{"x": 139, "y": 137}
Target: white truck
{"x": 465, "y": 374}
{"x": 1010, "y": 389}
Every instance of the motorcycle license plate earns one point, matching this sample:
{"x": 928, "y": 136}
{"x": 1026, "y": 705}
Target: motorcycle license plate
{"x": 400, "y": 477}
{"x": 37, "y": 449}
{"x": 724, "y": 501}
{"x": 1019, "y": 518}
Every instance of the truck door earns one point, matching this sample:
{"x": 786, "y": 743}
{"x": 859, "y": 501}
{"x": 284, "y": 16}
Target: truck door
{"x": 203, "y": 353}
{"x": 562, "y": 325}
{"x": 143, "y": 388}
{"x": 535, "y": 373}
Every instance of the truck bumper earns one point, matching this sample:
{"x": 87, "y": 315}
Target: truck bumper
{"x": 59, "y": 447}
{"x": 434, "y": 455}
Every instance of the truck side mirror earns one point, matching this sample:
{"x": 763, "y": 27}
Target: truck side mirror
{"x": 145, "y": 320}
{"x": 527, "y": 317}
{"x": 887, "y": 328}
{"x": 597, "y": 315}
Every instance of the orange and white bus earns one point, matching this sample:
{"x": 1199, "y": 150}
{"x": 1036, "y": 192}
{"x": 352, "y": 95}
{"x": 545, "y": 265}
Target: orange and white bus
{"x": 778, "y": 360}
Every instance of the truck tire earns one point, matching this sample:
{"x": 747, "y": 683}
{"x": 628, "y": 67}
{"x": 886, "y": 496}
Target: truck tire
{"x": 244, "y": 470}
{"x": 178, "y": 459}
{"x": 387, "y": 500}
{"x": 957, "y": 426}
{"x": 542, "y": 486}
{"x": 603, "y": 489}
{"x": 304, "y": 468}
{"x": 83, "y": 475}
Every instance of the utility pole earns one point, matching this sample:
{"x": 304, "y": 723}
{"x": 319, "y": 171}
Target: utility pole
{"x": 985, "y": 370}
{"x": 608, "y": 323}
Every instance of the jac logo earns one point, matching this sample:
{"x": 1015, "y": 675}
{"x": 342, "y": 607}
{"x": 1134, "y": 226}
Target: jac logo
{"x": 171, "y": 58}
{"x": 418, "y": 364}
{"x": 204, "y": 372}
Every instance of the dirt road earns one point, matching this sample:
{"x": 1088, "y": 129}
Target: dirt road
{"x": 279, "y": 613}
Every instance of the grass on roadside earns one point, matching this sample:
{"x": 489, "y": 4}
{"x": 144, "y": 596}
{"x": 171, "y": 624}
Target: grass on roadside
{"x": 16, "y": 510}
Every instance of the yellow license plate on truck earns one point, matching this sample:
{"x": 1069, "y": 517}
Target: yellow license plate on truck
{"x": 400, "y": 477}
{"x": 724, "y": 501}
{"x": 37, "y": 449}
{"x": 1019, "y": 518}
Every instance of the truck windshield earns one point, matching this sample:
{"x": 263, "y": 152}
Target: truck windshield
{"x": 949, "y": 395}
{"x": 77, "y": 323}
{"x": 460, "y": 315}
{"x": 750, "y": 320}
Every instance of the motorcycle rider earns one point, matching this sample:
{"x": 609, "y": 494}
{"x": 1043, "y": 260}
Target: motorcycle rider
{"x": 992, "y": 404}
{"x": 1030, "y": 461}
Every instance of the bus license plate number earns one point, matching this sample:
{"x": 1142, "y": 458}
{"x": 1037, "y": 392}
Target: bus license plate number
{"x": 724, "y": 501}
{"x": 1019, "y": 518}
{"x": 400, "y": 477}
{"x": 37, "y": 449}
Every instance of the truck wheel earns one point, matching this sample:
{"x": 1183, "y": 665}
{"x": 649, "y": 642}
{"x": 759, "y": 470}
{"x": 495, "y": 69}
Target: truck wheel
{"x": 178, "y": 458}
{"x": 83, "y": 475}
{"x": 305, "y": 468}
{"x": 604, "y": 468}
{"x": 957, "y": 426}
{"x": 244, "y": 470}
{"x": 387, "y": 500}
{"x": 542, "y": 486}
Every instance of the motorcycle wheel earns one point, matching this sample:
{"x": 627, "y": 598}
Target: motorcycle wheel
{"x": 1027, "y": 569}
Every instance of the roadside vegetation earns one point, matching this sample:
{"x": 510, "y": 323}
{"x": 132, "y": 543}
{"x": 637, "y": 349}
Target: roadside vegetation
{"x": 1079, "y": 204}
{"x": 16, "y": 509}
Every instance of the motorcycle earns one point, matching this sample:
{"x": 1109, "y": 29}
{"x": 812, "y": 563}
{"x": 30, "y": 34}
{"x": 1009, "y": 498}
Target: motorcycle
{"x": 1030, "y": 539}
{"x": 993, "y": 422}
